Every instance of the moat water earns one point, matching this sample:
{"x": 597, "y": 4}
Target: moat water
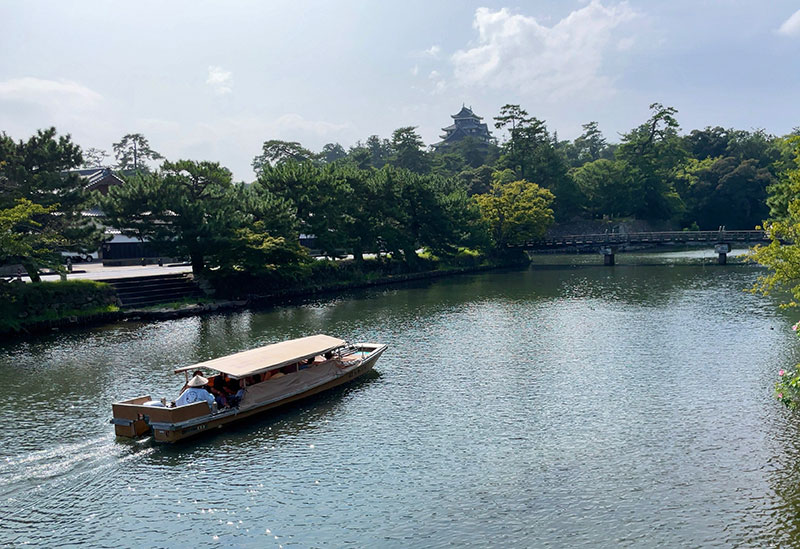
{"x": 570, "y": 405}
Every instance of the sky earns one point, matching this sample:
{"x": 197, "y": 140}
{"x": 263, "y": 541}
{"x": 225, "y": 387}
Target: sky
{"x": 207, "y": 80}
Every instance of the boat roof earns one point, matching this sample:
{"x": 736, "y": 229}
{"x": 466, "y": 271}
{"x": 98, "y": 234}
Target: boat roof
{"x": 254, "y": 361}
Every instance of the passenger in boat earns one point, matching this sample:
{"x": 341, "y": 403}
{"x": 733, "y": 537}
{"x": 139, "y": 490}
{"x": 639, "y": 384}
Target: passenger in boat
{"x": 196, "y": 392}
{"x": 196, "y": 373}
{"x": 307, "y": 364}
{"x": 216, "y": 387}
{"x": 233, "y": 390}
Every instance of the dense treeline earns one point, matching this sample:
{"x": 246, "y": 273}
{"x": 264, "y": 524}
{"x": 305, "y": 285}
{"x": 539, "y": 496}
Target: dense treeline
{"x": 391, "y": 195}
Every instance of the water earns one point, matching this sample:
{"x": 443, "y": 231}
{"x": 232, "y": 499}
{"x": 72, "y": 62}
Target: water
{"x": 576, "y": 406}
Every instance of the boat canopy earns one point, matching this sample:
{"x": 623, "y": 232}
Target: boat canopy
{"x": 269, "y": 357}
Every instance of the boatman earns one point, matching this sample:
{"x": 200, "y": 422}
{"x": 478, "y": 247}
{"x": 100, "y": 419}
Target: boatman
{"x": 196, "y": 392}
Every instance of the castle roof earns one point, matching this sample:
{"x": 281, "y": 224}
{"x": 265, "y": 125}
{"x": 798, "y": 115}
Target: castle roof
{"x": 465, "y": 112}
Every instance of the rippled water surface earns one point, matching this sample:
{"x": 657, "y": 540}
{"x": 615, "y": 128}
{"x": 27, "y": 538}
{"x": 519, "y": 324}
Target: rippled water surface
{"x": 554, "y": 406}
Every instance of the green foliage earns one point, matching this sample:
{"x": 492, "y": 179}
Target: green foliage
{"x": 315, "y": 197}
{"x": 652, "y": 154}
{"x": 532, "y": 154}
{"x": 724, "y": 191}
{"x": 782, "y": 258}
{"x": 708, "y": 143}
{"x": 94, "y": 158}
{"x": 477, "y": 180}
{"x": 589, "y": 146}
{"x": 36, "y": 170}
{"x": 186, "y": 209}
{"x": 132, "y": 153}
{"x": 374, "y": 153}
{"x": 276, "y": 152}
{"x": 331, "y": 152}
{"x": 515, "y": 212}
{"x": 254, "y": 250}
{"x": 606, "y": 188}
{"x": 25, "y": 240}
{"x": 24, "y": 304}
{"x": 782, "y": 255}
{"x": 408, "y": 151}
{"x": 787, "y": 186}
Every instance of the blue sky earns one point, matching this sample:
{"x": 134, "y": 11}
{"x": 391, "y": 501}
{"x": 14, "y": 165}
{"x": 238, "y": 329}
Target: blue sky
{"x": 213, "y": 80}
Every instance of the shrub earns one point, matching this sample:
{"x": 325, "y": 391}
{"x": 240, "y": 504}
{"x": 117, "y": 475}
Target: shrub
{"x": 23, "y": 304}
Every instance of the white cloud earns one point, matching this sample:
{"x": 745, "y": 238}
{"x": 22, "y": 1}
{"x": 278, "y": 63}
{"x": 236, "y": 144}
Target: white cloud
{"x": 46, "y": 92}
{"x": 791, "y": 27}
{"x": 414, "y": 70}
{"x": 29, "y": 103}
{"x": 517, "y": 52}
{"x": 220, "y": 80}
{"x": 439, "y": 84}
{"x": 433, "y": 51}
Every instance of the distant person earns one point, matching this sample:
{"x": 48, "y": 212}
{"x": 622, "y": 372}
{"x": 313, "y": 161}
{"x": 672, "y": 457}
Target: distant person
{"x": 196, "y": 392}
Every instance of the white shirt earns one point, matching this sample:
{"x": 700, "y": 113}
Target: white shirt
{"x": 195, "y": 394}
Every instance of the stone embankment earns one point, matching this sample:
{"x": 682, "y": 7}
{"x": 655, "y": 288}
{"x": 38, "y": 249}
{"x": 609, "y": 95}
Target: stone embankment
{"x": 204, "y": 306}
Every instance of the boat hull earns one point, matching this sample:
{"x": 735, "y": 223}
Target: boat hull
{"x": 131, "y": 419}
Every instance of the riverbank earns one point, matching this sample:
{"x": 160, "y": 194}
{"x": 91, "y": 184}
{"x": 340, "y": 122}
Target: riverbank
{"x": 62, "y": 318}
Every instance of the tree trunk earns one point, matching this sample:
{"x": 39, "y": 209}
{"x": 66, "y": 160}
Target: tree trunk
{"x": 197, "y": 262}
{"x": 358, "y": 251}
{"x": 411, "y": 258}
{"x": 32, "y": 271}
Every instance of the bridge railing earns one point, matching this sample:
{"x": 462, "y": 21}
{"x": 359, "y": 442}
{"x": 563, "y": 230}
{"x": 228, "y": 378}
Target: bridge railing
{"x": 650, "y": 238}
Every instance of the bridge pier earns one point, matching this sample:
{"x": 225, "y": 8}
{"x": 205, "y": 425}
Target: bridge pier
{"x": 722, "y": 248}
{"x": 608, "y": 255}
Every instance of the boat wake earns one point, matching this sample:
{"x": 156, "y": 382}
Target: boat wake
{"x": 24, "y": 471}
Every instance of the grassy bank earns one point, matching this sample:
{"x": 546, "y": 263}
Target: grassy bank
{"x": 330, "y": 276}
{"x": 36, "y": 308}
{"x": 29, "y": 307}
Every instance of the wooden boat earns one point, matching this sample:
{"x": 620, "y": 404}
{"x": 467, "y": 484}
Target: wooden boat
{"x": 295, "y": 369}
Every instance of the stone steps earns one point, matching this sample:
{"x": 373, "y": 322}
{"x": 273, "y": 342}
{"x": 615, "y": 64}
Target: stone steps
{"x": 144, "y": 291}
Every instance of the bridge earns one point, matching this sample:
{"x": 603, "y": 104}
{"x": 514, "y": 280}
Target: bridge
{"x": 610, "y": 243}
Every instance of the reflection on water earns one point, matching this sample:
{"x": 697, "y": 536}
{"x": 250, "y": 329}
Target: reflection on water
{"x": 569, "y": 405}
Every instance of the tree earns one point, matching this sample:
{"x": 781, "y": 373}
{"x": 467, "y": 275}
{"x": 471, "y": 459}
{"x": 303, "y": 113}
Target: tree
{"x": 605, "y": 187}
{"x": 408, "y": 150}
{"x": 133, "y": 151}
{"x": 331, "y": 152}
{"x": 476, "y": 181}
{"x": 652, "y": 154}
{"x": 590, "y": 145}
{"x": 521, "y": 128}
{"x": 38, "y": 170}
{"x": 532, "y": 154}
{"x": 188, "y": 209}
{"x": 708, "y": 143}
{"x": 515, "y": 212}
{"x": 418, "y": 211}
{"x": 782, "y": 258}
{"x": 94, "y": 158}
{"x": 275, "y": 152}
{"x": 782, "y": 255}
{"x": 317, "y": 196}
{"x": 784, "y": 190}
{"x": 757, "y": 145}
{"x": 513, "y": 116}
{"x": 267, "y": 243}
{"x": 725, "y": 191}
{"x": 26, "y": 241}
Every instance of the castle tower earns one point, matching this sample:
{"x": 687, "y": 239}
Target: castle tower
{"x": 465, "y": 124}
